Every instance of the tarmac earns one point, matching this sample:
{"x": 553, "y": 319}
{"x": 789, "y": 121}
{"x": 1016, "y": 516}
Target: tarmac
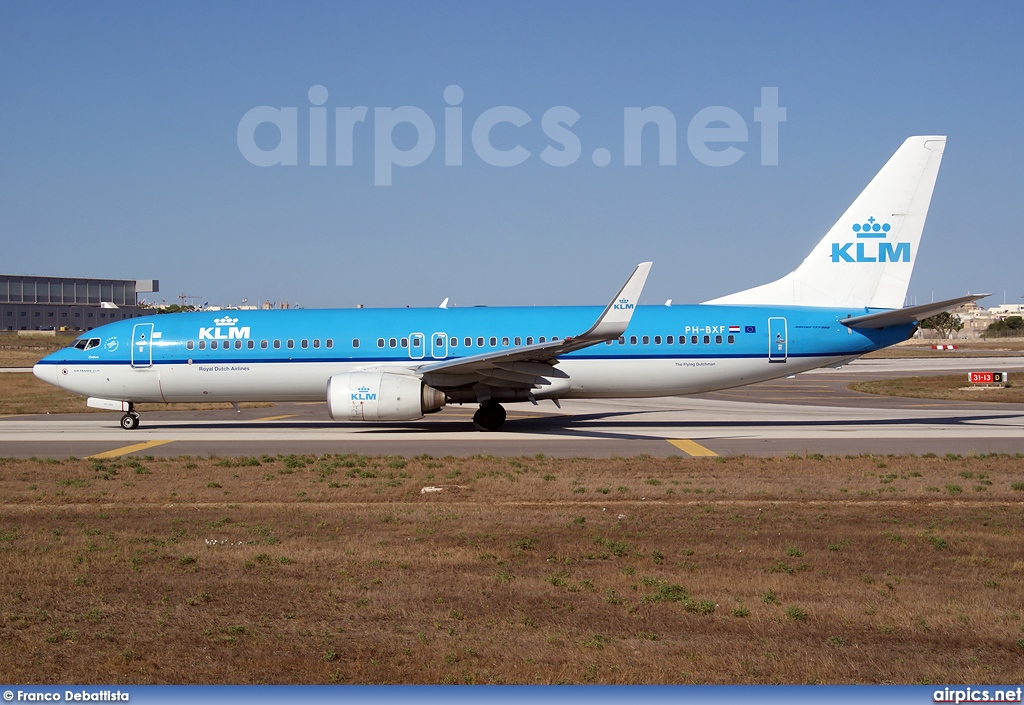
{"x": 811, "y": 413}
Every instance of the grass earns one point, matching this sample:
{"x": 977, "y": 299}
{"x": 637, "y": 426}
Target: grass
{"x": 949, "y": 387}
{"x": 238, "y": 580}
{"x": 923, "y": 348}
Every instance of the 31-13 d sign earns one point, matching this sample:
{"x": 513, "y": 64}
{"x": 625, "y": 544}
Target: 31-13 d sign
{"x": 987, "y": 377}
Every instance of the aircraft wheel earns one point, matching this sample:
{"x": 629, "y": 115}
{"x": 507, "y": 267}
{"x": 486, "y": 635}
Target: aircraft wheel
{"x": 130, "y": 422}
{"x": 490, "y": 416}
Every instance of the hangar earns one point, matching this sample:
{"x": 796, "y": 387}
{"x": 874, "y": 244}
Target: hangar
{"x": 63, "y": 303}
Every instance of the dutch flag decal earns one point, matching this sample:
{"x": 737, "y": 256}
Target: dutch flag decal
{"x": 734, "y": 329}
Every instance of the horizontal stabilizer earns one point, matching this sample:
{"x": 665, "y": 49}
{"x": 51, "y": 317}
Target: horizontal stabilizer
{"x": 911, "y": 314}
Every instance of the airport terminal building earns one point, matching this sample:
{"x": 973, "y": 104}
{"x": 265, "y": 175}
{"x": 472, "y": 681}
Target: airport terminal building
{"x": 58, "y": 303}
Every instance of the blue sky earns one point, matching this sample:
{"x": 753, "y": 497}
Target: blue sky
{"x": 119, "y": 154}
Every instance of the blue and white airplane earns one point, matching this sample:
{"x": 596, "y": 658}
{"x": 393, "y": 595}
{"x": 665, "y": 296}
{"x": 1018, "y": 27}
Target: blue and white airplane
{"x": 399, "y": 364}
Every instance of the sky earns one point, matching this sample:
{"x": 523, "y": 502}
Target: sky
{"x": 126, "y": 151}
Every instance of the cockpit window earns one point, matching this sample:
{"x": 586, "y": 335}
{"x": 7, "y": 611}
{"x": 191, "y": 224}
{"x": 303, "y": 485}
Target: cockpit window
{"x": 86, "y": 343}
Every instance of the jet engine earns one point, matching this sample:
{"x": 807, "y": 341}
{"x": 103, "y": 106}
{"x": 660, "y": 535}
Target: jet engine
{"x": 374, "y": 395}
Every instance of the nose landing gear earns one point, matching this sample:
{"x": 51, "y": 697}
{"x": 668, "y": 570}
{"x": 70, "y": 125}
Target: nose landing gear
{"x": 130, "y": 421}
{"x": 490, "y": 416}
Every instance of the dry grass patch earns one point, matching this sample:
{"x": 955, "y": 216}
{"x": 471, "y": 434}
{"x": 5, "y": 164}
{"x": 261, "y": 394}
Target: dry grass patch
{"x": 337, "y": 568}
{"x": 951, "y": 387}
{"x": 25, "y": 351}
{"x": 998, "y": 347}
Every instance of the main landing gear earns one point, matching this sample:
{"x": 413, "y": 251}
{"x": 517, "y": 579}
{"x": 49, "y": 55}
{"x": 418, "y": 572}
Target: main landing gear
{"x": 490, "y": 416}
{"x": 130, "y": 421}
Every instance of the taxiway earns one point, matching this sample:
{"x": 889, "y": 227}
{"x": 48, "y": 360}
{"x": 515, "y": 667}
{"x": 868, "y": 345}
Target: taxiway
{"x": 811, "y": 413}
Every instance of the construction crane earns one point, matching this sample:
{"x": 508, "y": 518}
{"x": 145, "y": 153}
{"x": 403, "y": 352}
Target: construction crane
{"x": 187, "y": 297}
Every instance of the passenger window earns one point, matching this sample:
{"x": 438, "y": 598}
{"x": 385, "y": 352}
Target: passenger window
{"x": 277, "y": 345}
{"x": 541, "y": 339}
{"x": 202, "y": 345}
{"x": 392, "y": 343}
{"x": 290, "y": 344}
{"x": 316, "y": 343}
{"x": 504, "y": 342}
{"x": 380, "y": 342}
{"x": 479, "y": 342}
{"x": 263, "y": 345}
{"x": 529, "y": 340}
{"x": 554, "y": 337}
{"x": 622, "y": 340}
{"x": 518, "y": 340}
{"x": 454, "y": 342}
{"x": 693, "y": 340}
{"x": 439, "y": 343}
{"x": 468, "y": 342}
{"x": 718, "y": 340}
{"x": 608, "y": 342}
{"x": 647, "y": 340}
{"x": 732, "y": 339}
{"x": 707, "y": 339}
{"x": 494, "y": 342}
{"x": 632, "y": 340}
{"x": 657, "y": 340}
{"x": 250, "y": 344}
{"x": 668, "y": 340}
{"x": 213, "y": 345}
{"x": 238, "y": 345}
{"x": 330, "y": 342}
{"x": 189, "y": 345}
{"x": 304, "y": 343}
{"x": 355, "y": 342}
{"x": 405, "y": 342}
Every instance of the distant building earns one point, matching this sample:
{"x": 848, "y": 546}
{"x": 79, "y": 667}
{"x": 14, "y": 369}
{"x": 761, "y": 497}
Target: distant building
{"x": 75, "y": 303}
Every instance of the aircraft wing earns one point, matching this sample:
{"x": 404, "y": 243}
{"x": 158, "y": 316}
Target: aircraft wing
{"x": 528, "y": 365}
{"x": 911, "y": 314}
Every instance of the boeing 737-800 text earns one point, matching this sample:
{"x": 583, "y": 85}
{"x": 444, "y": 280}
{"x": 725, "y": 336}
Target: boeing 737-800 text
{"x": 400, "y": 364}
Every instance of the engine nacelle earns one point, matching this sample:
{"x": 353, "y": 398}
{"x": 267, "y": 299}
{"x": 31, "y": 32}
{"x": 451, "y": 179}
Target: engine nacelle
{"x": 373, "y": 395}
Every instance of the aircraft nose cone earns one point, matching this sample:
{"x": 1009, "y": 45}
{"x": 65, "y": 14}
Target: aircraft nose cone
{"x": 48, "y": 373}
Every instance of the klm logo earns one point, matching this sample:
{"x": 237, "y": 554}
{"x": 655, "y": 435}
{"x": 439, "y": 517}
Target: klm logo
{"x": 867, "y": 251}
{"x": 363, "y": 394}
{"x": 217, "y": 331}
{"x": 623, "y": 305}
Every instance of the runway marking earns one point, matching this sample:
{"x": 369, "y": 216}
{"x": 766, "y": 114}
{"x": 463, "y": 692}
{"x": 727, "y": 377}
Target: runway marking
{"x": 118, "y": 452}
{"x": 692, "y": 448}
{"x": 276, "y": 418}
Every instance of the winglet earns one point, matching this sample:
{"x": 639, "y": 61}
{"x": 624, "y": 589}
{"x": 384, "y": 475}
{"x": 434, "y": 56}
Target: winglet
{"x": 616, "y": 316}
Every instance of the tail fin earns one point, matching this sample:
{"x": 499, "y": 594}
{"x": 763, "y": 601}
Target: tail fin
{"x": 866, "y": 259}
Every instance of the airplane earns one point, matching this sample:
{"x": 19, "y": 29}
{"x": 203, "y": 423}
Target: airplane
{"x": 379, "y": 365}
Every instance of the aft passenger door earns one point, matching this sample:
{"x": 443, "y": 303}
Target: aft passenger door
{"x": 142, "y": 345}
{"x": 778, "y": 345}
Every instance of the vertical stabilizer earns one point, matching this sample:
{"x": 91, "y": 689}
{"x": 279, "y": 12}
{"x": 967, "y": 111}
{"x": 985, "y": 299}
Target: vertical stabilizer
{"x": 866, "y": 259}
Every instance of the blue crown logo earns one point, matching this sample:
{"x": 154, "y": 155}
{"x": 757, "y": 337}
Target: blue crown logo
{"x": 364, "y": 389}
{"x": 226, "y": 321}
{"x": 623, "y": 301}
{"x": 872, "y": 228}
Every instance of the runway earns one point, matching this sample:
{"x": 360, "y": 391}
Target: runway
{"x": 811, "y": 413}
